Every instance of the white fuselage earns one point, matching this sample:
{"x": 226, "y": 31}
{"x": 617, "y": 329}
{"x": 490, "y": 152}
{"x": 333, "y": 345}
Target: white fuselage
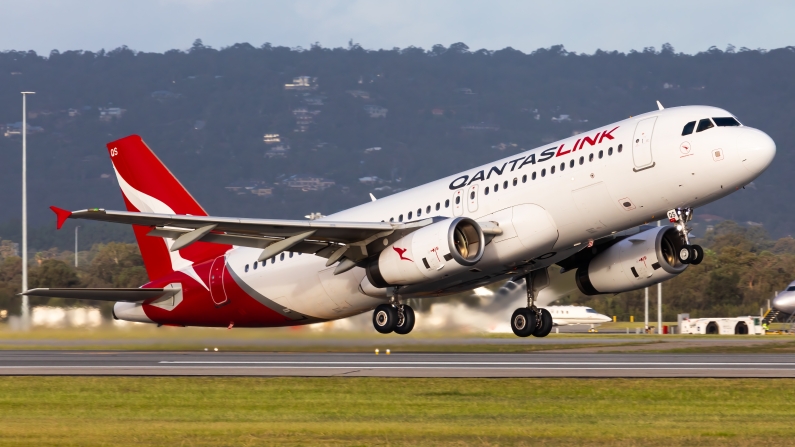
{"x": 549, "y": 202}
{"x": 571, "y": 315}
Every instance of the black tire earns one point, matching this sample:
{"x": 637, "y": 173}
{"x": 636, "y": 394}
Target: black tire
{"x": 546, "y": 324}
{"x": 712, "y": 328}
{"x": 523, "y": 322}
{"x": 406, "y": 324}
{"x": 698, "y": 254}
{"x": 385, "y": 318}
{"x": 685, "y": 254}
{"x": 741, "y": 328}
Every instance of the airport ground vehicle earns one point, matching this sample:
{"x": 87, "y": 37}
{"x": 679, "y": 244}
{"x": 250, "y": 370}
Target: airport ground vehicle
{"x": 722, "y": 326}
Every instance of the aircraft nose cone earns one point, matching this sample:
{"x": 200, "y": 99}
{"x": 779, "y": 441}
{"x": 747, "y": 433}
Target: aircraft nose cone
{"x": 759, "y": 151}
{"x": 784, "y": 302}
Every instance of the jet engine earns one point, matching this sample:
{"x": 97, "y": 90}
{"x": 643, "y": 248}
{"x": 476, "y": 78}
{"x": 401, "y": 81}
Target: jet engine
{"x": 441, "y": 249}
{"x": 632, "y": 263}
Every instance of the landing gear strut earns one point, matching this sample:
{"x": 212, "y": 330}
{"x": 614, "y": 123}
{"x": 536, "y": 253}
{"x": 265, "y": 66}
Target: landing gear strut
{"x": 687, "y": 254}
{"x": 531, "y": 320}
{"x": 393, "y": 316}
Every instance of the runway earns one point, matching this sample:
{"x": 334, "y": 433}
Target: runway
{"x": 133, "y": 363}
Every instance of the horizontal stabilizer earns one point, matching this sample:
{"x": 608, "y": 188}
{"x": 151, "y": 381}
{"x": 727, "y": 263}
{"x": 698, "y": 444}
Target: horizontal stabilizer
{"x": 127, "y": 295}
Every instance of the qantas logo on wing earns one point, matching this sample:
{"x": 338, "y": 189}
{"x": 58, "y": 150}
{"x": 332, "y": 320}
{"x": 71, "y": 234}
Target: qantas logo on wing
{"x": 400, "y": 252}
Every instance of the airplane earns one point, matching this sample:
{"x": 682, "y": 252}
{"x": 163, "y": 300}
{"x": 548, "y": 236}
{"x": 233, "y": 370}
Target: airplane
{"x": 571, "y": 315}
{"x": 581, "y": 203}
{"x": 785, "y": 301}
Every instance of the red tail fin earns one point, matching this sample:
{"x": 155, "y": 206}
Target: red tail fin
{"x": 149, "y": 187}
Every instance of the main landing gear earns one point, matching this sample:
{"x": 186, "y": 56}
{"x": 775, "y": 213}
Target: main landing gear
{"x": 531, "y": 320}
{"x": 687, "y": 254}
{"x": 393, "y": 317}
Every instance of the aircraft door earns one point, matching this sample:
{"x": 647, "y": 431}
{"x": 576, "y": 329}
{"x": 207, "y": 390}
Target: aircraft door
{"x": 458, "y": 203}
{"x": 641, "y": 144}
{"x": 217, "y": 292}
{"x": 472, "y": 198}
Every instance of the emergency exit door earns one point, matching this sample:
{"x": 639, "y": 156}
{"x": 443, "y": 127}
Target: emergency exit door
{"x": 217, "y": 292}
{"x": 641, "y": 144}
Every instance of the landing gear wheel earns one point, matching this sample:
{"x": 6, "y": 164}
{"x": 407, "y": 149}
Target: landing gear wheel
{"x": 698, "y": 254}
{"x": 543, "y": 329}
{"x": 385, "y": 318}
{"x": 406, "y": 324}
{"x": 523, "y": 322}
{"x": 686, "y": 254}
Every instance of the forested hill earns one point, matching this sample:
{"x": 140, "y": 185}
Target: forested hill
{"x": 352, "y": 121}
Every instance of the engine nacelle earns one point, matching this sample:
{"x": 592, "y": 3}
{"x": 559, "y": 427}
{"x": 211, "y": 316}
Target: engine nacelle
{"x": 633, "y": 263}
{"x": 432, "y": 252}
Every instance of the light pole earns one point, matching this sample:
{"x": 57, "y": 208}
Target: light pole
{"x": 76, "y": 245}
{"x": 659, "y": 302}
{"x": 25, "y": 305}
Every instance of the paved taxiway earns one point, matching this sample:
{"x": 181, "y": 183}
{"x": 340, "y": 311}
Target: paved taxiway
{"x": 130, "y": 363}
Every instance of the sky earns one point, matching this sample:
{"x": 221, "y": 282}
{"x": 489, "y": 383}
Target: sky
{"x": 581, "y": 26}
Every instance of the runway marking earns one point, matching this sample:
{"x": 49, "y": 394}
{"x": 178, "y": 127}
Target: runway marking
{"x": 386, "y": 367}
{"x": 200, "y": 362}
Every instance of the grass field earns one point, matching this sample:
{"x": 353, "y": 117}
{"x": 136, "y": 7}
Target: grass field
{"x": 103, "y": 411}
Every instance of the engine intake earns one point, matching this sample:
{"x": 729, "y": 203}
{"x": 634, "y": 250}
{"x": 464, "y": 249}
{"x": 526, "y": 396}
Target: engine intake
{"x": 633, "y": 263}
{"x": 432, "y": 252}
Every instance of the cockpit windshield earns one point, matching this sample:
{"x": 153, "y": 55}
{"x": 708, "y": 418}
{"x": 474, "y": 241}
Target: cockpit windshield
{"x": 706, "y": 123}
{"x": 589, "y": 310}
{"x": 726, "y": 122}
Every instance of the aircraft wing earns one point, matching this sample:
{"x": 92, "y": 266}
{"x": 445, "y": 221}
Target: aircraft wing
{"x": 128, "y": 295}
{"x": 321, "y": 237}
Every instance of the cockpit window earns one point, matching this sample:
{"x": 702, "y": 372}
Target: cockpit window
{"x": 726, "y": 122}
{"x": 704, "y": 125}
{"x": 590, "y": 311}
{"x": 791, "y": 289}
{"x": 689, "y": 128}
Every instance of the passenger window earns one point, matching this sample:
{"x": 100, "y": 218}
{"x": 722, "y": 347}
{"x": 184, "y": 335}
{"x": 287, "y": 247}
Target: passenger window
{"x": 486, "y": 190}
{"x": 582, "y": 160}
{"x": 496, "y": 187}
{"x": 505, "y": 184}
{"x": 524, "y": 178}
{"x": 391, "y": 219}
{"x": 688, "y": 128}
{"x": 726, "y": 122}
{"x": 255, "y": 266}
{"x": 291, "y": 254}
{"x": 428, "y": 209}
{"x": 610, "y": 151}
{"x": 457, "y": 200}
{"x": 472, "y": 195}
{"x": 534, "y": 175}
{"x": 571, "y": 164}
{"x": 551, "y": 171}
{"x": 620, "y": 148}
{"x": 437, "y": 206}
{"x": 600, "y": 154}
{"x": 590, "y": 157}
{"x": 562, "y": 166}
{"x": 273, "y": 260}
{"x": 704, "y": 125}
{"x": 543, "y": 172}
{"x": 264, "y": 263}
{"x": 419, "y": 212}
{"x": 409, "y": 215}
{"x": 447, "y": 203}
{"x": 281, "y": 257}
{"x": 400, "y": 218}
{"x": 515, "y": 182}
{"x": 246, "y": 268}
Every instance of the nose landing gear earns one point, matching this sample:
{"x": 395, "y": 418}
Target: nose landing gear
{"x": 531, "y": 320}
{"x": 688, "y": 254}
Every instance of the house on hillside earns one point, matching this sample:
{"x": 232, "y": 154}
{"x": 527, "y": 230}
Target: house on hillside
{"x": 303, "y": 118}
{"x": 279, "y": 151}
{"x": 375, "y": 111}
{"x": 308, "y": 183}
{"x": 256, "y": 187}
{"x": 359, "y": 94}
{"x": 302, "y": 83}
{"x": 271, "y": 138}
{"x": 13, "y": 129}
{"x": 108, "y": 113}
